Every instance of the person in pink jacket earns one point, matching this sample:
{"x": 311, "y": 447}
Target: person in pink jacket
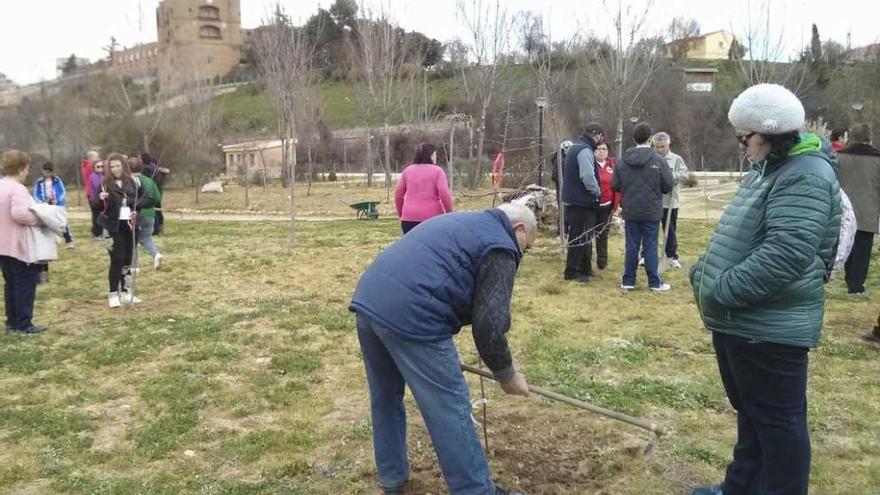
{"x": 20, "y": 277}
{"x": 422, "y": 191}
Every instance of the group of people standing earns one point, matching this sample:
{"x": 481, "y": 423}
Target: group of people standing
{"x": 645, "y": 182}
{"x": 758, "y": 285}
{"x": 123, "y": 197}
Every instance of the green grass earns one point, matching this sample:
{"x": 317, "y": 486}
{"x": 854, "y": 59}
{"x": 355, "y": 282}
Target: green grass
{"x": 240, "y": 374}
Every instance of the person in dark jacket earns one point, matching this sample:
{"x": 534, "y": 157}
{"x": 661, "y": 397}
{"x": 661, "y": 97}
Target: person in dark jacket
{"x": 642, "y": 177}
{"x": 860, "y": 178}
{"x": 96, "y": 177}
{"x": 121, "y": 197}
{"x": 580, "y": 197}
{"x": 454, "y": 270}
{"x": 759, "y": 289}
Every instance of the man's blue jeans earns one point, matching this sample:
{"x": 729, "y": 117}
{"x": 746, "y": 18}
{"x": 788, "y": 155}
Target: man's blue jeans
{"x": 767, "y": 385}
{"x": 641, "y": 235}
{"x": 432, "y": 371}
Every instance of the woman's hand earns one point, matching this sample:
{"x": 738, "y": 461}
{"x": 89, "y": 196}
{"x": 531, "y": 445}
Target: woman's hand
{"x": 103, "y": 195}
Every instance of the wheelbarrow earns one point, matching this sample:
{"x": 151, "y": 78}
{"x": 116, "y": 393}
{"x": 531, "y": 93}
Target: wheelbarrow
{"x": 366, "y": 210}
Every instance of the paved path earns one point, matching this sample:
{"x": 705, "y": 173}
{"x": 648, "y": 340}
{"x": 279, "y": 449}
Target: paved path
{"x": 697, "y": 204}
{"x": 81, "y": 214}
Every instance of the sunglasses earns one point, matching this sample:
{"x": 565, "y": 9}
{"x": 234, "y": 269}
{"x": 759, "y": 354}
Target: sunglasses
{"x": 743, "y": 138}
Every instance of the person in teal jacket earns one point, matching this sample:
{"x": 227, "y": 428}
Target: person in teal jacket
{"x": 759, "y": 289}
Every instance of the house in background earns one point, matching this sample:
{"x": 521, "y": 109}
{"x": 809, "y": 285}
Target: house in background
{"x": 700, "y": 80}
{"x": 253, "y": 158}
{"x": 710, "y": 46}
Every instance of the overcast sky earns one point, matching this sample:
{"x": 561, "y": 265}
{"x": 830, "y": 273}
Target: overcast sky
{"x": 36, "y": 32}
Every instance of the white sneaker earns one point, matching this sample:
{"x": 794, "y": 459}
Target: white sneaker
{"x": 113, "y": 300}
{"x": 641, "y": 261}
{"x": 674, "y": 263}
{"x": 70, "y": 245}
{"x": 129, "y": 298}
{"x": 663, "y": 288}
{"x": 627, "y": 287}
{"x": 157, "y": 260}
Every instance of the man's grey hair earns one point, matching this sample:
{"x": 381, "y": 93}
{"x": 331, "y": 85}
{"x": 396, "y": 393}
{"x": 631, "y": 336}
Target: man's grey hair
{"x": 92, "y": 155}
{"x": 518, "y": 213}
{"x": 661, "y": 137}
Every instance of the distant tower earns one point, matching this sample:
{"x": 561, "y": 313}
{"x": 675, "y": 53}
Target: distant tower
{"x": 198, "y": 39}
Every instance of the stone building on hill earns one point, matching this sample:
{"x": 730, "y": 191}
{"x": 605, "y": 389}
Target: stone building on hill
{"x": 196, "y": 40}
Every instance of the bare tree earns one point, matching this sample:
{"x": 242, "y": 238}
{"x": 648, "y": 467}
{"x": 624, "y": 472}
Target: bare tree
{"x": 532, "y": 37}
{"x": 489, "y": 25}
{"x": 196, "y": 120}
{"x": 620, "y": 74}
{"x": 765, "y": 60}
{"x": 386, "y": 68}
{"x": 285, "y": 59}
{"x": 46, "y": 115}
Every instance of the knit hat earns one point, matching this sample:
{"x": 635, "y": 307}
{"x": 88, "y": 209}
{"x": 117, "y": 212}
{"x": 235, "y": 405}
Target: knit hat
{"x": 767, "y": 109}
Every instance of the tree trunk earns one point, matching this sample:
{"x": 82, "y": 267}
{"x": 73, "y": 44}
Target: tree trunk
{"x": 310, "y": 169}
{"x": 196, "y": 185}
{"x": 369, "y": 162}
{"x": 263, "y": 163}
{"x": 450, "y": 160}
{"x": 471, "y": 138}
{"x": 387, "y": 162}
{"x": 247, "y": 180}
{"x": 293, "y": 196}
{"x": 481, "y": 139}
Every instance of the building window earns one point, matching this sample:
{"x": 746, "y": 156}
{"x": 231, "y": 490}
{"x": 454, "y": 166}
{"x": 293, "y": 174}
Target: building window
{"x": 721, "y": 45}
{"x": 209, "y": 32}
{"x": 209, "y": 12}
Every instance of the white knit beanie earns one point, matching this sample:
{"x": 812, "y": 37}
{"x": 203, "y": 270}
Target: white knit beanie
{"x": 767, "y": 109}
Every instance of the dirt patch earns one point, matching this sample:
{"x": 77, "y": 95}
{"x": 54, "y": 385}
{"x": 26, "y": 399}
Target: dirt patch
{"x": 540, "y": 451}
{"x": 113, "y": 421}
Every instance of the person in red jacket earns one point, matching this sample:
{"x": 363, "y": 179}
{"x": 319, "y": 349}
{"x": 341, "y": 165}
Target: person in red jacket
{"x": 86, "y": 169}
{"x": 608, "y": 203}
{"x": 838, "y": 139}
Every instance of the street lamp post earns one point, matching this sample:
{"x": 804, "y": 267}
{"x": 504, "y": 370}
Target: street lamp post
{"x": 541, "y": 102}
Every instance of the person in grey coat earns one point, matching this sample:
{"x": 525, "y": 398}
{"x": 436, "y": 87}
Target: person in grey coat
{"x": 860, "y": 178}
{"x": 672, "y": 200}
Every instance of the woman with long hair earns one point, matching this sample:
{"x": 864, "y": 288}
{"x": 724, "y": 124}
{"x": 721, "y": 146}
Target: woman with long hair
{"x": 422, "y": 191}
{"x": 120, "y": 198}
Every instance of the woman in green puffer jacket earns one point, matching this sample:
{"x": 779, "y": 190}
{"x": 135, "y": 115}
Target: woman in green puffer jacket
{"x": 759, "y": 289}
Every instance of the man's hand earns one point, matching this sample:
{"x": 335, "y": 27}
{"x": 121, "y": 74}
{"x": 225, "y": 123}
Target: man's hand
{"x": 516, "y": 385}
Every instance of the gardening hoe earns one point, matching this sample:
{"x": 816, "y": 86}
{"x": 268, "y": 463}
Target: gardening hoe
{"x": 657, "y": 429}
